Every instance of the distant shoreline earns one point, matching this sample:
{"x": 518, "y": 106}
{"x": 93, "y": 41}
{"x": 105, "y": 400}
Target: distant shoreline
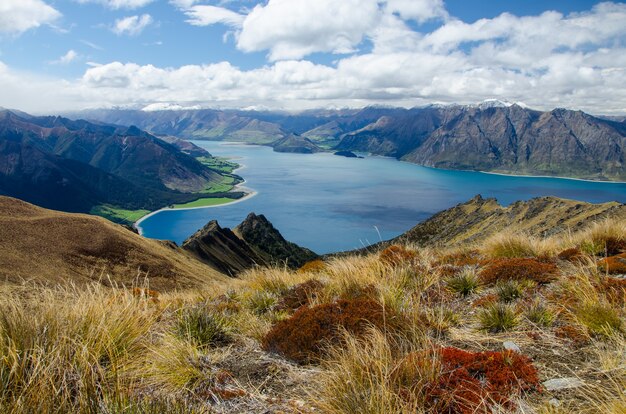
{"x": 551, "y": 176}
{"x": 249, "y": 194}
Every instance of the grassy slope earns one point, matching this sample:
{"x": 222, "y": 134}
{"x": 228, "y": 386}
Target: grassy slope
{"x": 118, "y": 215}
{"x": 204, "y": 202}
{"x": 50, "y": 247}
{"x": 200, "y": 350}
{"x": 228, "y": 182}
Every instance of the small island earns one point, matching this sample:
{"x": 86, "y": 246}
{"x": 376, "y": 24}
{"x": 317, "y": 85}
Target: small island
{"x": 348, "y": 154}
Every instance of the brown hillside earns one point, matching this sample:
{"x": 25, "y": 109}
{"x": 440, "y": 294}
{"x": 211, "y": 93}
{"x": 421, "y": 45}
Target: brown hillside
{"x": 52, "y": 247}
{"x": 480, "y": 218}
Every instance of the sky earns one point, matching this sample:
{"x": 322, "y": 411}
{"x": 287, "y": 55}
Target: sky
{"x": 62, "y": 55}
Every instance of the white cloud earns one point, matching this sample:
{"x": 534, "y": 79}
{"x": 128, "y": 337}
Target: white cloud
{"x": 119, "y": 4}
{"x": 67, "y": 58}
{"x": 576, "y": 61}
{"x": 292, "y": 29}
{"x": 418, "y": 10}
{"x": 17, "y": 16}
{"x": 207, "y": 15}
{"x": 132, "y": 25}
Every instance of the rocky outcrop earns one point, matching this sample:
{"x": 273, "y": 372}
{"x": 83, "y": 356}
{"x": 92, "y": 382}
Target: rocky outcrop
{"x": 254, "y": 242}
{"x": 222, "y": 249}
{"x": 263, "y": 237}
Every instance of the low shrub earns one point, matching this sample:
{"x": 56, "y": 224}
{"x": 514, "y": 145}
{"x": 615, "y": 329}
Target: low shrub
{"x": 572, "y": 333}
{"x": 202, "y": 327}
{"x": 299, "y": 295}
{"x": 395, "y": 255}
{"x": 600, "y": 319}
{"x": 464, "y": 283}
{"x": 469, "y": 382}
{"x": 613, "y": 265}
{"x": 486, "y": 300}
{"x": 614, "y": 246}
{"x": 614, "y": 290}
{"x": 498, "y": 317}
{"x": 519, "y": 269}
{"x": 461, "y": 258}
{"x": 306, "y": 335}
{"x": 574, "y": 255}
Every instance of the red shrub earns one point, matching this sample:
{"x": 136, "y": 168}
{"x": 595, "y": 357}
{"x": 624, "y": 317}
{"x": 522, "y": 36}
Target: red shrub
{"x": 464, "y": 258}
{"x": 573, "y": 255}
{"x": 145, "y": 293}
{"x": 615, "y": 290}
{"x": 614, "y": 265}
{"x": 573, "y": 333}
{"x": 614, "y": 246}
{"x": 472, "y": 382}
{"x": 488, "y": 299}
{"x": 299, "y": 295}
{"x": 396, "y": 255}
{"x": 304, "y": 337}
{"x": 519, "y": 269}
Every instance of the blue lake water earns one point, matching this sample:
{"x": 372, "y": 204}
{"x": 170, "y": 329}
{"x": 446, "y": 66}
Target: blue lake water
{"x": 330, "y": 203}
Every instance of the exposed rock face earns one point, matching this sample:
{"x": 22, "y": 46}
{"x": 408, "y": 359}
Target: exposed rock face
{"x": 515, "y": 139}
{"x": 259, "y": 233}
{"x": 296, "y": 144}
{"x": 222, "y": 249}
{"x": 253, "y": 242}
{"x": 51, "y": 247}
{"x": 481, "y": 218}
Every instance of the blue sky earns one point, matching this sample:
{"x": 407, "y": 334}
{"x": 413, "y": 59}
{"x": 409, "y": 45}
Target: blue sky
{"x": 297, "y": 54}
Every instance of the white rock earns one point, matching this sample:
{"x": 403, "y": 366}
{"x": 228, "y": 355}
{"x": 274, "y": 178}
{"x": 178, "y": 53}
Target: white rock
{"x": 511, "y": 346}
{"x": 556, "y": 384}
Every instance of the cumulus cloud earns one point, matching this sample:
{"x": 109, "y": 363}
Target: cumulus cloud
{"x": 67, "y": 58}
{"x": 203, "y": 15}
{"x": 550, "y": 60}
{"x": 17, "y": 16}
{"x": 119, "y": 4}
{"x": 132, "y": 25}
{"x": 292, "y": 29}
{"x": 418, "y": 10}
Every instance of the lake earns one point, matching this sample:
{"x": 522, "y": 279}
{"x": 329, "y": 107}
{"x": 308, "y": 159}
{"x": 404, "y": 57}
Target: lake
{"x": 330, "y": 203}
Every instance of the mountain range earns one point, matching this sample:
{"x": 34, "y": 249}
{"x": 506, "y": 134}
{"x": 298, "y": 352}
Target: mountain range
{"x": 77, "y": 166}
{"x": 493, "y": 136}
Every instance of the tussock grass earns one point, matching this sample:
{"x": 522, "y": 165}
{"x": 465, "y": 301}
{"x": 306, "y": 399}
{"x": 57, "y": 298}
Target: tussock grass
{"x": 105, "y": 350}
{"x": 508, "y": 245}
{"x": 465, "y": 283}
{"x": 498, "y": 317}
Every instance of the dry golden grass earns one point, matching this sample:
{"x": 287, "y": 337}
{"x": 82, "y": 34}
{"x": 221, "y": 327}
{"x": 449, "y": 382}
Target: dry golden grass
{"x": 100, "y": 350}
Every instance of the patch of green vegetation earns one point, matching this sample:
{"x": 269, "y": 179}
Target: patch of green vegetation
{"x": 228, "y": 183}
{"x": 204, "y": 202}
{"x": 118, "y": 215}
{"x": 219, "y": 164}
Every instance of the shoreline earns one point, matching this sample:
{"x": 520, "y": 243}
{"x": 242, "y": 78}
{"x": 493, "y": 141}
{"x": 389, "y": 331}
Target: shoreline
{"x": 504, "y": 174}
{"x": 549, "y": 176}
{"x": 250, "y": 192}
